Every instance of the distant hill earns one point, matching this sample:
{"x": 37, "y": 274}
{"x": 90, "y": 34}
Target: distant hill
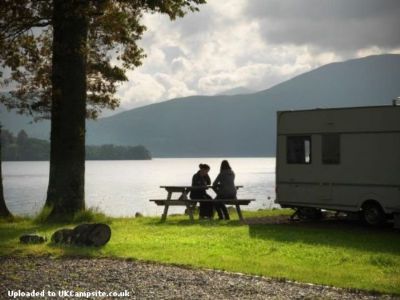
{"x": 244, "y": 125}
{"x": 241, "y": 90}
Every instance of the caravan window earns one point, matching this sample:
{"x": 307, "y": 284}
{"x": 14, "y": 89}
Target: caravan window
{"x": 331, "y": 149}
{"x": 298, "y": 149}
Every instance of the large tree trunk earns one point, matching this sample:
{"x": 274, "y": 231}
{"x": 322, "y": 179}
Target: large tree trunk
{"x": 4, "y": 212}
{"x": 66, "y": 191}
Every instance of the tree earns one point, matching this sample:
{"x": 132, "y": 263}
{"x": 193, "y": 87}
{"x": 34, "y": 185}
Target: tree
{"x": 4, "y": 212}
{"x": 6, "y": 137}
{"x": 59, "y": 56}
{"x": 22, "y": 138}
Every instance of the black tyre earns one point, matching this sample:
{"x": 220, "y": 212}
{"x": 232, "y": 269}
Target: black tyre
{"x": 373, "y": 214}
{"x": 309, "y": 213}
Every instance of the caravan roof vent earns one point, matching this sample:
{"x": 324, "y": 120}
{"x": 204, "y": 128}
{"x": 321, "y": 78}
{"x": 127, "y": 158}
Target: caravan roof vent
{"x": 396, "y": 101}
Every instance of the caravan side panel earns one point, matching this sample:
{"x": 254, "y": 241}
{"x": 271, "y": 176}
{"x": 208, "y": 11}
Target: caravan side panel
{"x": 367, "y": 168}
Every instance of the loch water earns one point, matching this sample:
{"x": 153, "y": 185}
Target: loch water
{"x": 122, "y": 188}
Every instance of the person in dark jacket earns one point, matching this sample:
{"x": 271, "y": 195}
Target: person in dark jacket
{"x": 224, "y": 187}
{"x": 201, "y": 179}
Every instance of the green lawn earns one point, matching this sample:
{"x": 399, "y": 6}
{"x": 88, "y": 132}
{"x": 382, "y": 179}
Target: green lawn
{"x": 343, "y": 256}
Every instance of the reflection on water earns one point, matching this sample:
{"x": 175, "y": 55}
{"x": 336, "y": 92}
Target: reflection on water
{"x": 122, "y": 188}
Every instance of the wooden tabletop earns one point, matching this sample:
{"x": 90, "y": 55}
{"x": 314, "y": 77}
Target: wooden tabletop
{"x": 182, "y": 188}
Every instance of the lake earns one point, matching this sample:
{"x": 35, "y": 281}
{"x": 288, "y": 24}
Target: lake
{"x": 122, "y": 188}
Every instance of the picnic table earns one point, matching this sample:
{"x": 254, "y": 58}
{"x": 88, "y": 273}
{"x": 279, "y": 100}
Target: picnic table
{"x": 183, "y": 200}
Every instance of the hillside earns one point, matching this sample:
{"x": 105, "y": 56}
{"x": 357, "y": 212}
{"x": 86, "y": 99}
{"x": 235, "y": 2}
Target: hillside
{"x": 244, "y": 125}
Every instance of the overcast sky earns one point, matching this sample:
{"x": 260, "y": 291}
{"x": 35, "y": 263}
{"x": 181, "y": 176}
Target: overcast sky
{"x": 255, "y": 44}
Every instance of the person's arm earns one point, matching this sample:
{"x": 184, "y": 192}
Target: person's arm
{"x": 195, "y": 180}
{"x": 208, "y": 180}
{"x": 217, "y": 180}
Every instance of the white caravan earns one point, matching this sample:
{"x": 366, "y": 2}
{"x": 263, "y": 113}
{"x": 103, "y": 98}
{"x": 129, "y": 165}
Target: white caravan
{"x": 340, "y": 159}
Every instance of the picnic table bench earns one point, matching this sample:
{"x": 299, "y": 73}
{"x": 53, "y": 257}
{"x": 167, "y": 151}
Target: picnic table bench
{"x": 190, "y": 204}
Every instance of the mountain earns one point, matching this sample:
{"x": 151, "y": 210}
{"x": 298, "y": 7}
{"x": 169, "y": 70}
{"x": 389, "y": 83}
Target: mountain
{"x": 244, "y": 125}
{"x": 241, "y": 90}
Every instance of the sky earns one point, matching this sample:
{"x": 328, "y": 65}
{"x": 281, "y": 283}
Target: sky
{"x": 255, "y": 44}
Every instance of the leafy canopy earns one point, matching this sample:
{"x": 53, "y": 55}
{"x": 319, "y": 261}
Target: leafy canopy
{"x": 114, "y": 29}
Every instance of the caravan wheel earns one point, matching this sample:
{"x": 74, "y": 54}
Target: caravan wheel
{"x": 373, "y": 214}
{"x": 309, "y": 213}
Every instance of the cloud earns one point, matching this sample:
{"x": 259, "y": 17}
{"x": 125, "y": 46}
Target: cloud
{"x": 255, "y": 44}
{"x": 174, "y": 87}
{"x": 339, "y": 25}
{"x": 141, "y": 88}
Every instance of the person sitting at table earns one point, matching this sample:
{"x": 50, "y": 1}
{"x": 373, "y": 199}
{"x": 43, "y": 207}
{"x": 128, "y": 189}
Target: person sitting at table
{"x": 201, "y": 179}
{"x": 224, "y": 187}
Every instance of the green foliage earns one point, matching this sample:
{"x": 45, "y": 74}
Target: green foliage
{"x": 10, "y": 219}
{"x": 110, "y": 152}
{"x": 115, "y": 26}
{"x": 43, "y": 215}
{"x": 22, "y": 138}
{"x": 354, "y": 257}
{"x": 24, "y": 148}
{"x": 91, "y": 215}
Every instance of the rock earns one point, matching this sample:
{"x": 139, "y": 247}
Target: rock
{"x": 100, "y": 235}
{"x": 62, "y": 236}
{"x": 32, "y": 239}
{"x": 92, "y": 234}
{"x": 83, "y": 235}
{"x": 138, "y": 215}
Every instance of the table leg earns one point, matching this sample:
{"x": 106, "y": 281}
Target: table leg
{"x": 189, "y": 208}
{"x": 239, "y": 212}
{"x": 164, "y": 215}
{"x": 184, "y": 196}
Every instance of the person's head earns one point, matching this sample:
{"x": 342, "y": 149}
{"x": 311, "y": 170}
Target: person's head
{"x": 225, "y": 166}
{"x": 204, "y": 168}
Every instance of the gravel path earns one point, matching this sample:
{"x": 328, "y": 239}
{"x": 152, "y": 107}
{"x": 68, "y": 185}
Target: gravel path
{"x": 148, "y": 281}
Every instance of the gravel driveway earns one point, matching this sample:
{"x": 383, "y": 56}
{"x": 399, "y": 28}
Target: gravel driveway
{"x": 89, "y": 278}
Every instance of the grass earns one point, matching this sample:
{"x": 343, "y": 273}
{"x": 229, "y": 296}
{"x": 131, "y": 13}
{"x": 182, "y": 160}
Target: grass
{"x": 88, "y": 215}
{"x": 343, "y": 256}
